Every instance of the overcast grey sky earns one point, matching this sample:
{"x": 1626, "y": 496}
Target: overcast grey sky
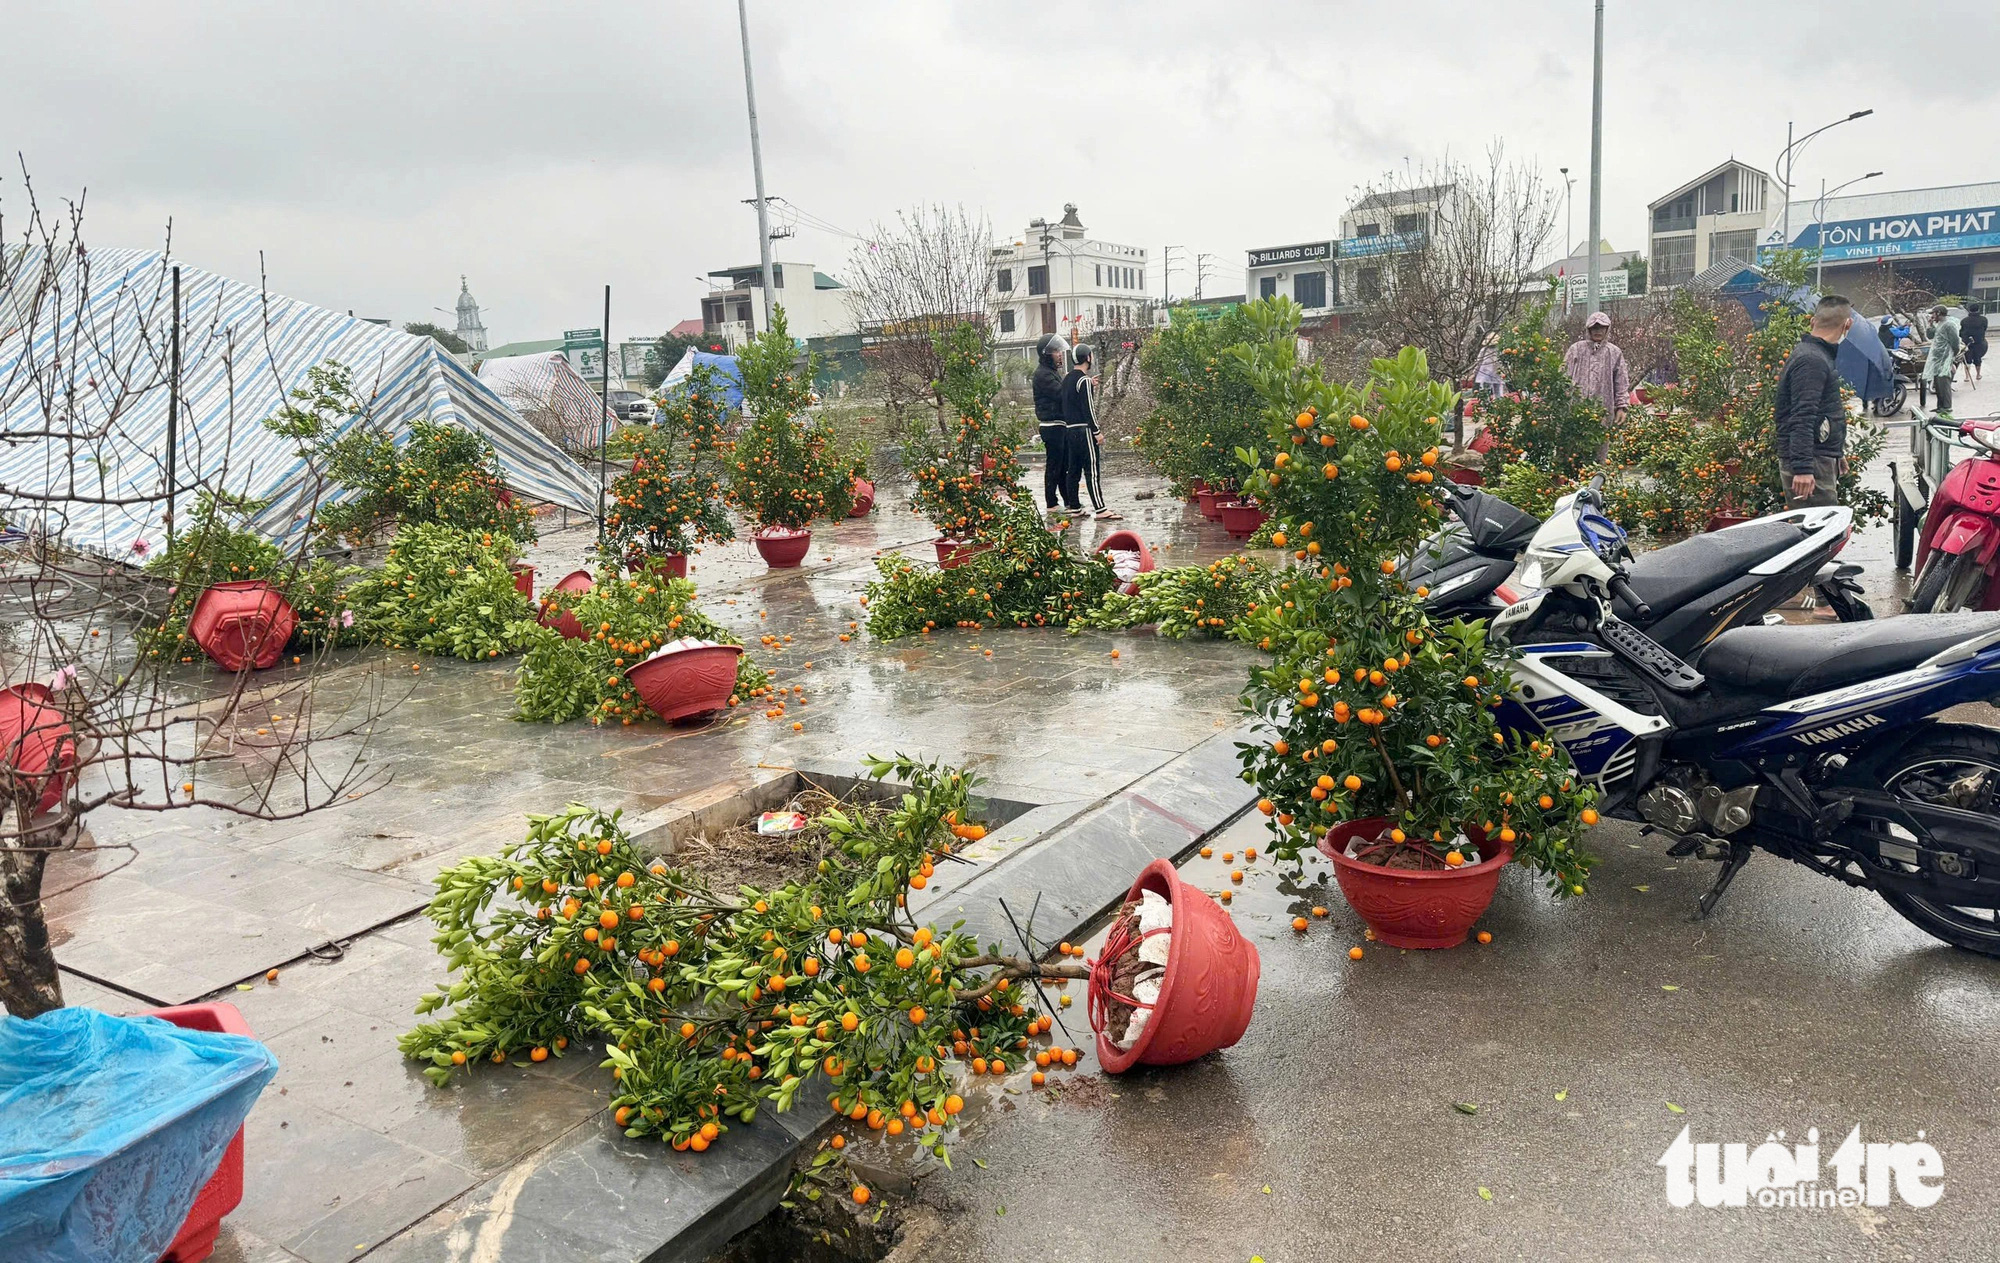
{"x": 376, "y": 149}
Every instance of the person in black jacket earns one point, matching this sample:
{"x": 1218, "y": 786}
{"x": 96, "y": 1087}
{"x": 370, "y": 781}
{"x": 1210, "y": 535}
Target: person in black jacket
{"x": 1811, "y": 417}
{"x": 1086, "y": 456}
{"x": 1972, "y": 334}
{"x": 1047, "y": 384}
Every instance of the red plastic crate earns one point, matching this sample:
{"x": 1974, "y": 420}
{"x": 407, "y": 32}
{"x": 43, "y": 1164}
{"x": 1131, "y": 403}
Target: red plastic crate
{"x": 224, "y": 1190}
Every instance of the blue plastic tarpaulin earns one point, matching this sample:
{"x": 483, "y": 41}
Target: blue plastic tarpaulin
{"x": 722, "y": 366}
{"x": 109, "y": 1126}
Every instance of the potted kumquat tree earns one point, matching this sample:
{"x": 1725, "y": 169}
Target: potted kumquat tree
{"x": 670, "y": 500}
{"x": 788, "y": 469}
{"x": 1386, "y": 751}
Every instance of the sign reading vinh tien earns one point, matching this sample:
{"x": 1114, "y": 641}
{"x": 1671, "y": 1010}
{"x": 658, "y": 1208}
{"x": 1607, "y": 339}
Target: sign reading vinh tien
{"x": 1893, "y": 236}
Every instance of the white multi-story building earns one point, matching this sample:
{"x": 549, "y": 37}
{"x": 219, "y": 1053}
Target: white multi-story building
{"x": 1720, "y": 214}
{"x": 816, "y": 305}
{"x": 1338, "y": 274}
{"x": 1055, "y": 279}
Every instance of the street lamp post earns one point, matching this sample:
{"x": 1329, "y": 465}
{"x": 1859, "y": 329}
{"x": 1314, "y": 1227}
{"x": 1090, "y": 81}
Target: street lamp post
{"x": 1569, "y": 231}
{"x": 1819, "y": 218}
{"x": 1596, "y": 160}
{"x": 1788, "y": 157}
{"x": 757, "y": 163}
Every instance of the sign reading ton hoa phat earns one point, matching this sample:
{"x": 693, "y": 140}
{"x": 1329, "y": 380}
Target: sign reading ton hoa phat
{"x": 1892, "y": 236}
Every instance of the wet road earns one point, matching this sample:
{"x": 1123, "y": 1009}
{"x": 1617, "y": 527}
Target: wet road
{"x": 1586, "y": 1035}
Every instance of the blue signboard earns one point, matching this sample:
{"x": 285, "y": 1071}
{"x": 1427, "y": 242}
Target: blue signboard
{"x": 1386, "y": 243}
{"x": 1899, "y": 236}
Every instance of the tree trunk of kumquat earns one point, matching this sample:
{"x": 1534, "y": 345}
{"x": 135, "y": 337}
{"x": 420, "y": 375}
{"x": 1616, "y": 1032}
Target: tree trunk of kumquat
{"x": 29, "y": 983}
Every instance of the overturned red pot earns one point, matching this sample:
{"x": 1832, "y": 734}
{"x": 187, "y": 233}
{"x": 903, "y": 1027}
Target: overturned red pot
{"x": 782, "y": 547}
{"x": 243, "y": 623}
{"x": 686, "y": 678}
{"x": 1207, "y": 993}
{"x": 1128, "y": 542}
{"x": 1414, "y": 907}
{"x": 864, "y": 498}
{"x": 35, "y": 742}
{"x": 524, "y": 579}
{"x": 565, "y": 621}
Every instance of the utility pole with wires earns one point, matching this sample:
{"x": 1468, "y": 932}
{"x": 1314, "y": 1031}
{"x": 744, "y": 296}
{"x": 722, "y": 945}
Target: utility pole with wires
{"x": 1202, "y": 264}
{"x": 1167, "y": 274}
{"x": 756, "y": 163}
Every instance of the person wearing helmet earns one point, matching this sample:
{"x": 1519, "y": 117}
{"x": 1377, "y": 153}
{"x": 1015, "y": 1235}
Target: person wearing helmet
{"x": 1053, "y": 353}
{"x": 1080, "y": 421}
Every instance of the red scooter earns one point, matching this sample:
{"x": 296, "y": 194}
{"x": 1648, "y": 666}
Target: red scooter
{"x": 1958, "y": 551}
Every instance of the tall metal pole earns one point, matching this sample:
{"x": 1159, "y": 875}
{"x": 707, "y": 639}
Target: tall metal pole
{"x": 1597, "y": 160}
{"x": 1569, "y": 233}
{"x": 756, "y": 163}
{"x": 1819, "y": 264}
{"x": 1787, "y": 177}
{"x": 604, "y": 417}
{"x": 174, "y": 412}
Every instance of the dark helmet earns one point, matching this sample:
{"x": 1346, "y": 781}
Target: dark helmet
{"x": 1082, "y": 354}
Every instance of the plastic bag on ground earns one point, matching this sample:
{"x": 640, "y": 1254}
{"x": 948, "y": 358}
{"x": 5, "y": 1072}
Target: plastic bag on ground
{"x": 109, "y": 1126}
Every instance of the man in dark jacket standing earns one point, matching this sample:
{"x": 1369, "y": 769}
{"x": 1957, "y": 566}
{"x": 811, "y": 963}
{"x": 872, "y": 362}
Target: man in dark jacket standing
{"x": 1048, "y": 384}
{"x": 1811, "y": 417}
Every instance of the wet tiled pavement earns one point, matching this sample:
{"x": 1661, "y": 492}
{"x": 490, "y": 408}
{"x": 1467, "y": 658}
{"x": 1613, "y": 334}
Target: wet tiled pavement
{"x": 350, "y": 1145}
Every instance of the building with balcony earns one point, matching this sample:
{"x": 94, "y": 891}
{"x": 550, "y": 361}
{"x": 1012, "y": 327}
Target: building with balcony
{"x": 1056, "y": 279}
{"x": 815, "y": 304}
{"x": 1721, "y": 214}
{"x": 1306, "y": 273}
{"x": 1339, "y": 274}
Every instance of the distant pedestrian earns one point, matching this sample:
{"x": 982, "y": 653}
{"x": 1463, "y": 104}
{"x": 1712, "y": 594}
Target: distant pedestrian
{"x": 1053, "y": 354}
{"x": 1943, "y": 360}
{"x": 1886, "y": 333}
{"x": 1087, "y": 455}
{"x": 1597, "y": 367}
{"x": 1810, "y": 415}
{"x": 1972, "y": 332}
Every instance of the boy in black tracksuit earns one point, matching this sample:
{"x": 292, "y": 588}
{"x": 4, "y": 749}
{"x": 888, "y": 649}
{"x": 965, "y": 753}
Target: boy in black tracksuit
{"x": 1086, "y": 456}
{"x": 1047, "y": 383}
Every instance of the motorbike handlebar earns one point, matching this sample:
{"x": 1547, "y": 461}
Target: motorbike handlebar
{"x": 1622, "y": 587}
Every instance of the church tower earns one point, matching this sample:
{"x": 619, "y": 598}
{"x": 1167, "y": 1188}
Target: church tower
{"x": 469, "y": 329}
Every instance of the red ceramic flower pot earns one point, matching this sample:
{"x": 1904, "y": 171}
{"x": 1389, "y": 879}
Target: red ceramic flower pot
{"x": 565, "y": 622}
{"x": 663, "y": 565}
{"x": 1209, "y": 989}
{"x": 524, "y": 579}
{"x": 864, "y": 498}
{"x": 1408, "y": 907}
{"x": 1205, "y": 500}
{"x": 1241, "y": 520}
{"x": 676, "y": 683}
{"x": 953, "y": 553}
{"x": 35, "y": 742}
{"x": 224, "y": 1190}
{"x": 1129, "y": 542}
{"x": 242, "y": 623}
{"x": 1465, "y": 477}
{"x": 783, "y": 547}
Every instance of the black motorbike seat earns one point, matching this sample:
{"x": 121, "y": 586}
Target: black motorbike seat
{"x": 1798, "y": 661}
{"x": 1668, "y": 578}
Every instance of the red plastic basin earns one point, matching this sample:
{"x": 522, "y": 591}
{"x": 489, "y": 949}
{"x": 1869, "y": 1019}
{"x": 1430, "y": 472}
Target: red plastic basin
{"x": 1415, "y": 908}
{"x": 782, "y": 547}
{"x": 676, "y": 683}
{"x": 864, "y": 498}
{"x": 224, "y": 1190}
{"x": 1128, "y": 542}
{"x": 1209, "y": 989}
{"x": 35, "y": 741}
{"x": 574, "y": 581}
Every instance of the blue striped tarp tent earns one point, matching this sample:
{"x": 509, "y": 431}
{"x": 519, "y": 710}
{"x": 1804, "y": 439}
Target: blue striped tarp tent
{"x": 544, "y": 388}
{"x": 84, "y": 354}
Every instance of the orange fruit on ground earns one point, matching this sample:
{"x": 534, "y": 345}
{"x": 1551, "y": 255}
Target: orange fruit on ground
{"x": 1207, "y": 851}
{"x": 1236, "y": 874}
{"x": 860, "y": 1195}
{"x": 1319, "y": 912}
{"x": 1354, "y": 953}
{"x": 1038, "y": 1078}
{"x": 538, "y": 1054}
{"x": 979, "y": 1065}
{"x": 894, "y": 1127}
{"x": 1299, "y": 924}
{"x": 698, "y": 1142}
{"x": 838, "y": 1142}
{"x": 1486, "y": 936}
{"x": 1069, "y": 1056}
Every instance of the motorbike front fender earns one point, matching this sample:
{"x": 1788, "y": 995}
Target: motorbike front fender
{"x": 1966, "y": 533}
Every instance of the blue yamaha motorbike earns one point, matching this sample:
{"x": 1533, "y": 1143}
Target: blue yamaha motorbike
{"x": 1822, "y": 745}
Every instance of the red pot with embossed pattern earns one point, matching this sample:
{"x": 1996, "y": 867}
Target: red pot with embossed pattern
{"x": 1208, "y": 992}
{"x": 565, "y": 622}
{"x": 677, "y": 683}
{"x": 1409, "y": 907}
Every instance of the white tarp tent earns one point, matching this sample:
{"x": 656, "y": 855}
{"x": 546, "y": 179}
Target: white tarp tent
{"x": 545, "y": 389}
{"x": 87, "y": 340}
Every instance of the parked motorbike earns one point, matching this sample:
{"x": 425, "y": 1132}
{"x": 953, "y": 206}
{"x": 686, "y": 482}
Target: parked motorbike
{"x": 1908, "y": 363}
{"x": 1958, "y": 545}
{"x": 1821, "y": 745}
{"x": 1693, "y": 589}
